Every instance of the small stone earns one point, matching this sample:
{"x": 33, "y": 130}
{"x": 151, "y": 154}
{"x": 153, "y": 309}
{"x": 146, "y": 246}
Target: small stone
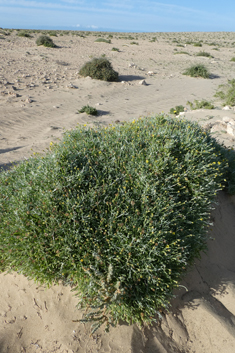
{"x": 13, "y": 94}
{"x": 219, "y": 126}
{"x": 143, "y": 82}
{"x": 150, "y": 73}
{"x": 226, "y": 108}
{"x": 28, "y": 100}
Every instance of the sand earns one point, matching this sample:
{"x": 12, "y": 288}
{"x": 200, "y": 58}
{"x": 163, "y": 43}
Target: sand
{"x": 40, "y": 95}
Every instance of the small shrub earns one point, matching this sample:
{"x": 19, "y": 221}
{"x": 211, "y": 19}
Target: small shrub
{"x": 24, "y": 34}
{"x": 115, "y": 49}
{"x": 46, "y": 41}
{"x": 180, "y": 45}
{"x": 182, "y": 52}
{"x": 103, "y": 40}
{"x": 197, "y": 44}
{"x": 204, "y": 53}
{"x": 227, "y": 94}
{"x": 52, "y": 34}
{"x": 116, "y": 213}
{"x": 200, "y": 105}
{"x": 132, "y": 43}
{"x": 178, "y": 109}
{"x": 100, "y": 69}
{"x": 197, "y": 71}
{"x": 233, "y": 59}
{"x": 89, "y": 110}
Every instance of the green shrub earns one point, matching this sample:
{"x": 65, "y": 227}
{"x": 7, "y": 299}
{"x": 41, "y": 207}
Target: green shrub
{"x": 204, "y": 53}
{"x": 24, "y": 34}
{"x": 178, "y": 109}
{"x": 136, "y": 43}
{"x": 233, "y": 59}
{"x": 115, "y": 49}
{"x": 197, "y": 44}
{"x": 182, "y": 52}
{"x": 117, "y": 213}
{"x": 200, "y": 105}
{"x": 198, "y": 70}
{"x": 89, "y": 110}
{"x": 103, "y": 40}
{"x": 227, "y": 94}
{"x": 46, "y": 41}
{"x": 100, "y": 69}
{"x": 52, "y": 34}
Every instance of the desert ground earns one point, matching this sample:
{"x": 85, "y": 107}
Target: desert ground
{"x": 41, "y": 92}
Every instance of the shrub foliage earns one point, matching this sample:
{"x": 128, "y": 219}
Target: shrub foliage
{"x": 117, "y": 213}
{"x": 46, "y": 41}
{"x": 178, "y": 109}
{"x": 89, "y": 110}
{"x": 100, "y": 69}
{"x": 226, "y": 93}
{"x": 198, "y": 70}
{"x": 200, "y": 105}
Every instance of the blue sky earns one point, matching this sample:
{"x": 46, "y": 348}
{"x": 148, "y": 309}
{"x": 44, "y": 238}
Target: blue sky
{"x": 121, "y": 15}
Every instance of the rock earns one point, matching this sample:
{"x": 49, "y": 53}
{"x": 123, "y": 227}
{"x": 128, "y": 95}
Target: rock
{"x": 13, "y": 94}
{"x": 150, "y": 73}
{"x": 219, "y": 126}
{"x": 231, "y": 129}
{"x": 208, "y": 126}
{"x": 70, "y": 85}
{"x": 132, "y": 65}
{"x": 143, "y": 82}
{"x": 226, "y": 108}
{"x": 28, "y": 100}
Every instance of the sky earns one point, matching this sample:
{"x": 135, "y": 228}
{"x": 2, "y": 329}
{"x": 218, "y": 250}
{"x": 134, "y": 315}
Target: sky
{"x": 120, "y": 15}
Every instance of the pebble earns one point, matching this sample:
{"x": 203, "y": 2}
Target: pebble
{"x": 143, "y": 82}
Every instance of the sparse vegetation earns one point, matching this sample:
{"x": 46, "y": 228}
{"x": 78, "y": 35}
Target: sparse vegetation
{"x": 89, "y": 110}
{"x": 115, "y": 49}
{"x": 204, "y": 53}
{"x": 181, "y": 52}
{"x": 226, "y": 93}
{"x": 198, "y": 70}
{"x": 46, "y": 41}
{"x": 103, "y": 40}
{"x": 52, "y": 34}
{"x": 134, "y": 43}
{"x": 197, "y": 44}
{"x": 233, "y": 59}
{"x": 100, "y": 69}
{"x": 178, "y": 109}
{"x": 117, "y": 213}
{"x": 200, "y": 105}
{"x": 24, "y": 34}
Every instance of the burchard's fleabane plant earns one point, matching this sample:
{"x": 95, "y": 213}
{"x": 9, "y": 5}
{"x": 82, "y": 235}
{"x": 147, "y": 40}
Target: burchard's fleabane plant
{"x": 118, "y": 213}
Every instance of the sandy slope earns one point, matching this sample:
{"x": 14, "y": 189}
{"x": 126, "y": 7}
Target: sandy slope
{"x": 36, "y": 319}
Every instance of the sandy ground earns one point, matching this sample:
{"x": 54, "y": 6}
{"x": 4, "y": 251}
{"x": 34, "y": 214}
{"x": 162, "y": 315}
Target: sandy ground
{"x": 37, "y": 103}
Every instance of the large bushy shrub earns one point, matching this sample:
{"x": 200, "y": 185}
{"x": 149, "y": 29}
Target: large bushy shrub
{"x": 100, "y": 69}
{"x": 118, "y": 213}
{"x": 46, "y": 41}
